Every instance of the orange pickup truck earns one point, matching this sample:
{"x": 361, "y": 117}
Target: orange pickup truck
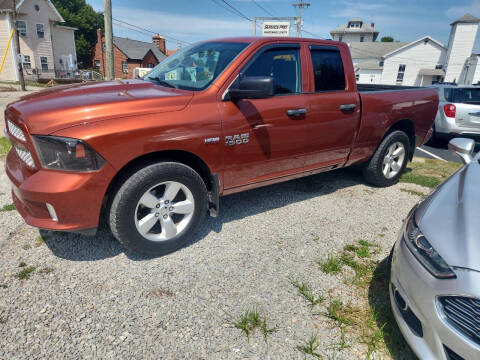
{"x": 153, "y": 156}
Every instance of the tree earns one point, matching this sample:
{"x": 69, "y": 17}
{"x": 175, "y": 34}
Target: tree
{"x": 387, "y": 39}
{"x": 78, "y": 14}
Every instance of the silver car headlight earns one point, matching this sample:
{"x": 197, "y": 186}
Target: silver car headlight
{"x": 424, "y": 251}
{"x": 60, "y": 153}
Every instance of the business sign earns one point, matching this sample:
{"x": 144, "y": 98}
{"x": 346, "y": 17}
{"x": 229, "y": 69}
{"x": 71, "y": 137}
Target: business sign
{"x": 276, "y": 28}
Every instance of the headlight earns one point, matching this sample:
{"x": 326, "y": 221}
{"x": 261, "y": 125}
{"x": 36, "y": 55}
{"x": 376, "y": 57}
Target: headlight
{"x": 424, "y": 251}
{"x": 68, "y": 154}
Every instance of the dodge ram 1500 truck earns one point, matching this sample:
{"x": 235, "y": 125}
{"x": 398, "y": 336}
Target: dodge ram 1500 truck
{"x": 153, "y": 156}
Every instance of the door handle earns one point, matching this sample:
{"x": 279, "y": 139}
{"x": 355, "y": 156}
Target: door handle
{"x": 296, "y": 112}
{"x": 348, "y": 107}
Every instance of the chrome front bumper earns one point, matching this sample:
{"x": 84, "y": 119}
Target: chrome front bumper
{"x": 420, "y": 291}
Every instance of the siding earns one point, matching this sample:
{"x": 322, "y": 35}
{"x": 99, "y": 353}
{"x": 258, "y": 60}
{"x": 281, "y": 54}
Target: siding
{"x": 369, "y": 76}
{"x": 354, "y": 37}
{"x": 8, "y": 72}
{"x": 63, "y": 47}
{"x": 462, "y": 38}
{"x": 417, "y": 56}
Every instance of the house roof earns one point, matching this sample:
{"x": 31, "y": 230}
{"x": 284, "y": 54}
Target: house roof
{"x": 467, "y": 18}
{"x": 431, "y": 72}
{"x": 365, "y": 28}
{"x": 135, "y": 49}
{"x": 6, "y": 5}
{"x": 54, "y": 9}
{"x": 425, "y": 38}
{"x": 376, "y": 50}
{"x": 370, "y": 65}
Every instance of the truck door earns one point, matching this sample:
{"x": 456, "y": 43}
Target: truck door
{"x": 265, "y": 138}
{"x": 334, "y": 108}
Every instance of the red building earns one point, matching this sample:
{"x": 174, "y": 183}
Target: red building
{"x": 129, "y": 54}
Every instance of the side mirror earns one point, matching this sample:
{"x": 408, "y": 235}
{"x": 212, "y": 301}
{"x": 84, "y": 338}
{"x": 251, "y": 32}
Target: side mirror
{"x": 463, "y": 148}
{"x": 252, "y": 87}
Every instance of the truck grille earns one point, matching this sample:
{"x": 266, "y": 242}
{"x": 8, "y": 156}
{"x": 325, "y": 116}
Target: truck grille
{"x": 463, "y": 313}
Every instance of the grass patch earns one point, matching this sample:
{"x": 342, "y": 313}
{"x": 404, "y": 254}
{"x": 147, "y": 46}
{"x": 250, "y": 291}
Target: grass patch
{"x": 362, "y": 250}
{"x": 27, "y": 247}
{"x": 429, "y": 172}
{"x": 310, "y": 347}
{"x": 3, "y": 286}
{"x": 25, "y": 273}
{"x": 5, "y": 145}
{"x": 331, "y": 265}
{"x": 252, "y": 320}
{"x": 8, "y": 207}
{"x": 414, "y": 192}
{"x": 39, "y": 241}
{"x": 307, "y": 293}
{"x": 342, "y": 314}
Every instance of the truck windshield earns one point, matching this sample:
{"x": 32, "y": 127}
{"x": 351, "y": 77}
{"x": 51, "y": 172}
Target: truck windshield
{"x": 195, "y": 67}
{"x": 463, "y": 95}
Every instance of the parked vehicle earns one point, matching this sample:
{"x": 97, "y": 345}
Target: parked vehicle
{"x": 435, "y": 267}
{"x": 216, "y": 118}
{"x": 458, "y": 112}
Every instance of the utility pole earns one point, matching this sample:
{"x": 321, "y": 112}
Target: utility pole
{"x": 17, "y": 49}
{"x": 300, "y": 5}
{"x": 107, "y": 14}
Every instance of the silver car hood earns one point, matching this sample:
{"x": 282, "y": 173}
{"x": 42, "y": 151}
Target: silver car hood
{"x": 450, "y": 218}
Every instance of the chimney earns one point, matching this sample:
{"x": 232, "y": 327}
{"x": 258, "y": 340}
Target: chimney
{"x": 99, "y": 35}
{"x": 372, "y": 24}
{"x": 159, "y": 42}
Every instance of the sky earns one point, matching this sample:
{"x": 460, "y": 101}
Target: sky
{"x": 182, "y": 22}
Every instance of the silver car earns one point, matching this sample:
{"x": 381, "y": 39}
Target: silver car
{"x": 435, "y": 267}
{"x": 458, "y": 111}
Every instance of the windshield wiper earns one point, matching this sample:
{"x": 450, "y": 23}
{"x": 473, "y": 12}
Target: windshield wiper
{"x": 162, "y": 82}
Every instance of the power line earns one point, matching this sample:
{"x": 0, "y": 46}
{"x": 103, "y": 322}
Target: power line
{"x": 261, "y": 7}
{"x": 151, "y": 31}
{"x": 236, "y": 10}
{"x": 310, "y": 33}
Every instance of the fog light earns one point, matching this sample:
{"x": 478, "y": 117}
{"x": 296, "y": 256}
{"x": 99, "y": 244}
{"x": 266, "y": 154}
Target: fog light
{"x": 51, "y": 211}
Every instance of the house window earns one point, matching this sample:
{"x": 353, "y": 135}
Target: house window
{"x": 21, "y": 27}
{"x": 125, "y": 67}
{"x": 27, "y": 64}
{"x": 438, "y": 67}
{"x": 401, "y": 73}
{"x": 357, "y": 77}
{"x": 362, "y": 38}
{"x": 150, "y": 65}
{"x": 104, "y": 46}
{"x": 40, "y": 31}
{"x": 44, "y": 63}
{"x": 381, "y": 63}
{"x": 97, "y": 64}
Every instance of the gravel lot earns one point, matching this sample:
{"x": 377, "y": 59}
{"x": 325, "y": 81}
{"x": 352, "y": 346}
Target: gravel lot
{"x": 89, "y": 298}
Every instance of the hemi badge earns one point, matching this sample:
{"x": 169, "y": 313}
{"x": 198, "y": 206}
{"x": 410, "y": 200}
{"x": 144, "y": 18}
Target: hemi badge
{"x": 212, "y": 140}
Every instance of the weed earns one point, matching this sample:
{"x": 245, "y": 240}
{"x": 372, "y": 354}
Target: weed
{"x": 310, "y": 347}
{"x": 307, "y": 293}
{"x": 369, "y": 192}
{"x": 332, "y": 265}
{"x": 251, "y": 320}
{"x": 351, "y": 248}
{"x": 5, "y": 145}
{"x": 27, "y": 246}
{"x": 414, "y": 192}
{"x": 8, "y": 207}
{"x": 46, "y": 270}
{"x": 22, "y": 264}
{"x": 25, "y": 273}
{"x": 3, "y": 286}
{"x": 316, "y": 238}
{"x": 339, "y": 312}
{"x": 39, "y": 241}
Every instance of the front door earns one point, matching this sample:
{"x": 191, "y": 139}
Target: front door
{"x": 263, "y": 138}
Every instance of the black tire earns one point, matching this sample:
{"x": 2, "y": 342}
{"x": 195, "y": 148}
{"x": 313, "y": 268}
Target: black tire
{"x": 372, "y": 172}
{"x": 122, "y": 210}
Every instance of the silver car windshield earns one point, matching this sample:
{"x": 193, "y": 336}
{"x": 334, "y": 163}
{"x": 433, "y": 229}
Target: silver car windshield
{"x": 195, "y": 67}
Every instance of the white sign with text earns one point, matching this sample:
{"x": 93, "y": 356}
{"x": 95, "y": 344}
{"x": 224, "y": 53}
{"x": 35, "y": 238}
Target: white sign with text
{"x": 276, "y": 28}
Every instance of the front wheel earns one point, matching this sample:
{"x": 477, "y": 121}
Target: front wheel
{"x": 159, "y": 208}
{"x": 389, "y": 161}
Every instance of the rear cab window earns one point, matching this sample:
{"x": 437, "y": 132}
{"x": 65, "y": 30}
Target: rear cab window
{"x": 328, "y": 71}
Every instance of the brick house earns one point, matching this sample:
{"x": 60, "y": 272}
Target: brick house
{"x": 129, "y": 54}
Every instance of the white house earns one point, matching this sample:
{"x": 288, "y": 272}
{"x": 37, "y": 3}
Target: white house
{"x": 421, "y": 62}
{"x": 47, "y": 46}
{"x": 355, "y": 30}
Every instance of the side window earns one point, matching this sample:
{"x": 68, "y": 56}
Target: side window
{"x": 328, "y": 69}
{"x": 281, "y": 64}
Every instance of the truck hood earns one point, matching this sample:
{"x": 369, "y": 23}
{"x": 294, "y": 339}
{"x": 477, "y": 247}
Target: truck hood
{"x": 449, "y": 218}
{"x": 50, "y": 110}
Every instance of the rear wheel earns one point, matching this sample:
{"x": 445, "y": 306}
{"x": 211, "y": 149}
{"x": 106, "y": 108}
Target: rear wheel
{"x": 389, "y": 161}
{"x": 159, "y": 208}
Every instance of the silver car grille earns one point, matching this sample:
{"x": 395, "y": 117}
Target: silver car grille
{"x": 463, "y": 313}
